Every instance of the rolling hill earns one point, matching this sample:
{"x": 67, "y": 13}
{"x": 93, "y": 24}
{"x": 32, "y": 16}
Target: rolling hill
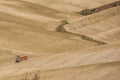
{"x": 28, "y": 27}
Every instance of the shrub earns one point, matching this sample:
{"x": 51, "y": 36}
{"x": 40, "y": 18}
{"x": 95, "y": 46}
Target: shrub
{"x": 32, "y": 76}
{"x": 61, "y": 28}
{"x": 86, "y": 12}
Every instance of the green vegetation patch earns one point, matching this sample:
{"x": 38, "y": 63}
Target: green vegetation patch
{"x": 87, "y": 38}
{"x": 60, "y": 28}
{"x": 86, "y": 12}
{"x": 91, "y": 39}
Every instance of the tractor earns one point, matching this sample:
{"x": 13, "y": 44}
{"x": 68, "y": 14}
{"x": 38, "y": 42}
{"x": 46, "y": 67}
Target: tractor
{"x": 20, "y": 58}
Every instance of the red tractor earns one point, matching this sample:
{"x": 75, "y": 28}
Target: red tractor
{"x": 20, "y": 58}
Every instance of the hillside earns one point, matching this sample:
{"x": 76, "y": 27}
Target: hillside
{"x": 98, "y": 25}
{"x": 70, "y": 6}
{"x": 98, "y": 59}
{"x": 87, "y": 49}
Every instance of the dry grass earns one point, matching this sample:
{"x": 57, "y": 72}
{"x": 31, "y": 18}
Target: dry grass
{"x": 97, "y": 26}
{"x": 32, "y": 76}
{"x": 98, "y": 9}
{"x": 29, "y": 28}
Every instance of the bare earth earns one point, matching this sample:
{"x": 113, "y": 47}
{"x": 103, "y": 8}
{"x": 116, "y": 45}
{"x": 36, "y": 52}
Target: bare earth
{"x": 27, "y": 27}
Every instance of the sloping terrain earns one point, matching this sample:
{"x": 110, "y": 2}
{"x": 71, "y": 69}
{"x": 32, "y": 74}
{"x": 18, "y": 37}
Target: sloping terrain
{"x": 80, "y": 64}
{"x": 71, "y": 5}
{"x": 98, "y": 26}
{"x": 27, "y": 27}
